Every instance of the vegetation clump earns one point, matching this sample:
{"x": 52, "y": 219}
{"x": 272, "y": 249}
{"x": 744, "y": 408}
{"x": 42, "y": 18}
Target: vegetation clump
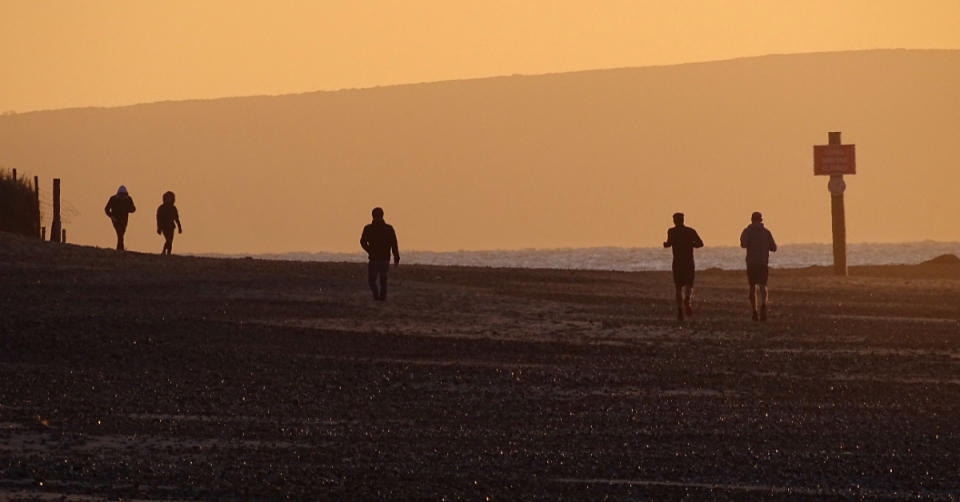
{"x": 19, "y": 213}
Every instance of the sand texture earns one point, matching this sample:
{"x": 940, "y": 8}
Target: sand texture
{"x": 143, "y": 377}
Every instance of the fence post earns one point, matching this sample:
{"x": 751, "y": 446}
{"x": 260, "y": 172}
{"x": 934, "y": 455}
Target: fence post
{"x": 55, "y": 226}
{"x": 36, "y": 193}
{"x": 63, "y": 238}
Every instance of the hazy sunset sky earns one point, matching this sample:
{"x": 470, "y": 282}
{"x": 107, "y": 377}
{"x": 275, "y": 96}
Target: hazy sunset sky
{"x": 58, "y": 54}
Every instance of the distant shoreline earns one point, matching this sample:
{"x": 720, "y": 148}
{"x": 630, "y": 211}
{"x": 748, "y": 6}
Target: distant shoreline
{"x": 22, "y": 247}
{"x": 638, "y": 259}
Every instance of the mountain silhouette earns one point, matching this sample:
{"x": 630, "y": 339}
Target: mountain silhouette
{"x": 578, "y": 159}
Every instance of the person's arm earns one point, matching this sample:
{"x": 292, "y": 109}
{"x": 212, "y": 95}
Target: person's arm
{"x": 697, "y": 243}
{"x": 133, "y": 208}
{"x": 744, "y": 238}
{"x": 394, "y": 247}
{"x": 106, "y": 209}
{"x": 773, "y": 245}
{"x": 365, "y": 241}
{"x": 159, "y": 217}
{"x": 176, "y": 218}
{"x": 669, "y": 242}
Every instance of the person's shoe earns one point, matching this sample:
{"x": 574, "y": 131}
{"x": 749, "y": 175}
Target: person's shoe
{"x": 763, "y": 312}
{"x": 755, "y": 316}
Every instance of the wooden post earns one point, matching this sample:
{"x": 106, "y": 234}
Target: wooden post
{"x": 837, "y": 186}
{"x": 836, "y": 159}
{"x": 14, "y": 174}
{"x": 839, "y": 232}
{"x": 55, "y": 226}
{"x": 36, "y": 193}
{"x": 43, "y": 233}
{"x": 63, "y": 237}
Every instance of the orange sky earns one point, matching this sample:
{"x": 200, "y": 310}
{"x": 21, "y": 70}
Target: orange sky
{"x": 59, "y": 54}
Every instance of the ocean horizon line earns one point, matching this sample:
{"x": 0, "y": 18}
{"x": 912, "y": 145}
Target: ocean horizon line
{"x": 636, "y": 258}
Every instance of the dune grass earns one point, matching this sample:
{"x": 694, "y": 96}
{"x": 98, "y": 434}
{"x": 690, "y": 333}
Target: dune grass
{"x": 18, "y": 205}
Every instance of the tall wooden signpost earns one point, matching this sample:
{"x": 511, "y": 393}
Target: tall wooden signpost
{"x": 835, "y": 159}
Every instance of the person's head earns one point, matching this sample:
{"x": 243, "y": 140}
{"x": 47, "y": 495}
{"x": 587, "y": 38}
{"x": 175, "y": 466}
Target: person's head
{"x": 122, "y": 190}
{"x": 169, "y": 198}
{"x": 756, "y": 217}
{"x": 377, "y": 213}
{"x": 678, "y": 219}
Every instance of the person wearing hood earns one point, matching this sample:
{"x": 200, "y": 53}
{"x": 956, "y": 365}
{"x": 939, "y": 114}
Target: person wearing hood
{"x": 118, "y": 209}
{"x": 758, "y": 241}
{"x": 378, "y": 240}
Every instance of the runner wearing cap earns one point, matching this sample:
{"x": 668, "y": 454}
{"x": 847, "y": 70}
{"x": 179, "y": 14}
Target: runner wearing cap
{"x": 758, "y": 241}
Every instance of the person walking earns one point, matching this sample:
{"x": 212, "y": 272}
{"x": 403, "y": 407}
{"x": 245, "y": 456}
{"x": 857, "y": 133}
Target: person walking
{"x": 378, "y": 240}
{"x": 758, "y": 241}
{"x": 168, "y": 218}
{"x": 118, "y": 208}
{"x": 683, "y": 240}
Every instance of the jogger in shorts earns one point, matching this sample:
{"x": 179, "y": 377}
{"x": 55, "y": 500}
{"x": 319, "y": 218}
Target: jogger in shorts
{"x": 758, "y": 241}
{"x": 683, "y": 240}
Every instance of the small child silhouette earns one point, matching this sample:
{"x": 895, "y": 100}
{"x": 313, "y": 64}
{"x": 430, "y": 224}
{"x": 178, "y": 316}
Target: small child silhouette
{"x": 167, "y": 217}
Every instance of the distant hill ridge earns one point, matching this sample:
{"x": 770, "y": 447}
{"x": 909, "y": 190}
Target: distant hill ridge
{"x": 485, "y": 78}
{"x": 579, "y": 159}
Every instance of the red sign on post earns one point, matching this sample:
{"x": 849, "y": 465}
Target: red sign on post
{"x": 834, "y": 159}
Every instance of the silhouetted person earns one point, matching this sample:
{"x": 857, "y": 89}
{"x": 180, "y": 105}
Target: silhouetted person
{"x": 683, "y": 240}
{"x": 378, "y": 239}
{"x": 168, "y": 218}
{"x": 758, "y": 241}
{"x": 118, "y": 208}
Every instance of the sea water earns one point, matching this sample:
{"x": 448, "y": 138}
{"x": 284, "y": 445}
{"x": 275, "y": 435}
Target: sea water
{"x": 635, "y": 259}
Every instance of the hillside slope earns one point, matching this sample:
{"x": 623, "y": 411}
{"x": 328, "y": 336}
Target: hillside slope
{"x": 577, "y": 159}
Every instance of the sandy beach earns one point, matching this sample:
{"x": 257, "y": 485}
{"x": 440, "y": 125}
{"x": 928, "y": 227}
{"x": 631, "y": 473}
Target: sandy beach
{"x": 141, "y": 377}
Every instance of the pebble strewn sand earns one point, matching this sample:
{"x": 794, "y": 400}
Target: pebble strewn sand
{"x": 144, "y": 378}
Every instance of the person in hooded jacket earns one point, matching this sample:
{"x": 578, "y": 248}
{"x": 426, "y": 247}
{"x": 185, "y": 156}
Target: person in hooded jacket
{"x": 168, "y": 218}
{"x": 758, "y": 241}
{"x": 118, "y": 208}
{"x": 378, "y": 240}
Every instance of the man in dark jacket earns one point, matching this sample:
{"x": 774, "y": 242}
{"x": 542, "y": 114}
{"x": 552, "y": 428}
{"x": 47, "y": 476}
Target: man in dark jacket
{"x": 378, "y": 240}
{"x": 683, "y": 240}
{"x": 758, "y": 241}
{"x": 118, "y": 208}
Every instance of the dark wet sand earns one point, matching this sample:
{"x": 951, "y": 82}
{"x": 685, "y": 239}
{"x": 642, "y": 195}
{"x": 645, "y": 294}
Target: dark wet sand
{"x": 142, "y": 377}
